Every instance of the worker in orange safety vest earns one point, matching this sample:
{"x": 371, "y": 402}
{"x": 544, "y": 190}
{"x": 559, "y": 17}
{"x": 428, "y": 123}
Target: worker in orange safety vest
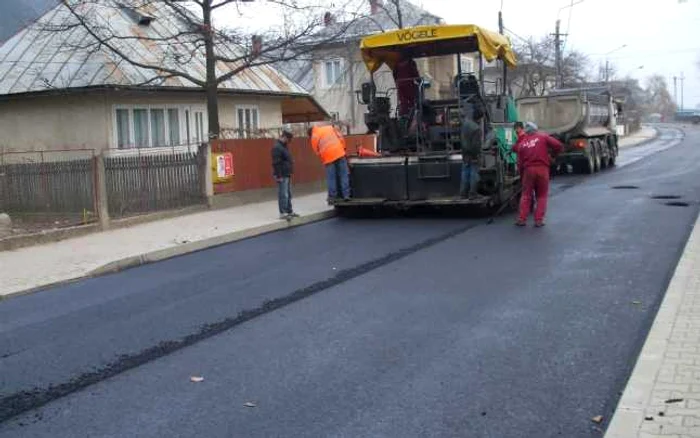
{"x": 328, "y": 143}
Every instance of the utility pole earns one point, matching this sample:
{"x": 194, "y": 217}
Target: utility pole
{"x": 557, "y": 54}
{"x": 505, "y": 68}
{"x": 675, "y": 89}
{"x": 682, "y": 78}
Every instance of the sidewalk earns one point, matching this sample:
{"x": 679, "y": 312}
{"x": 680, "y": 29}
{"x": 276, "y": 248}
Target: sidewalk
{"x": 644, "y": 134}
{"x": 34, "y": 267}
{"x": 662, "y": 397}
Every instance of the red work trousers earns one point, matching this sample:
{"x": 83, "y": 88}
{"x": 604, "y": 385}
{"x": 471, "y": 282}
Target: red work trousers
{"x": 535, "y": 179}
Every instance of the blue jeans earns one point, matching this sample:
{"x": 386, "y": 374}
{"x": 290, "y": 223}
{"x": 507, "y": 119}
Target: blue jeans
{"x": 470, "y": 179}
{"x": 284, "y": 195}
{"x": 335, "y": 170}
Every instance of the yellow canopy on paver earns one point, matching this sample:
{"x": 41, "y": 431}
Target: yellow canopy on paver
{"x": 425, "y": 41}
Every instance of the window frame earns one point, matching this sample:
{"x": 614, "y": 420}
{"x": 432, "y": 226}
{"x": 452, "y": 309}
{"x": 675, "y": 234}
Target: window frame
{"x": 338, "y": 74}
{"x": 187, "y": 128}
{"x": 254, "y": 109}
{"x": 471, "y": 62}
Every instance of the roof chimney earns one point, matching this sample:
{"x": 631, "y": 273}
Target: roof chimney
{"x": 375, "y": 6}
{"x": 327, "y": 19}
{"x": 256, "y": 45}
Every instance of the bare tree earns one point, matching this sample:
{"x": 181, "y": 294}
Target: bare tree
{"x": 659, "y": 99}
{"x": 394, "y": 12}
{"x": 607, "y": 71}
{"x": 196, "y": 38}
{"x": 536, "y": 70}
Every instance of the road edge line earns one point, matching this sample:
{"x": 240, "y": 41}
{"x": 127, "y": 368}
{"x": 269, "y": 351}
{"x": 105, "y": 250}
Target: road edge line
{"x": 177, "y": 251}
{"x": 628, "y": 417}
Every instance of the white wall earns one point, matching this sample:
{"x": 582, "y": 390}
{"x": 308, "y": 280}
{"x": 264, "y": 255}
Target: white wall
{"x": 87, "y": 121}
{"x": 61, "y": 122}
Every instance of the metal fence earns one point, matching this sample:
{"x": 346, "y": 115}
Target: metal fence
{"x": 60, "y": 190}
{"x": 145, "y": 183}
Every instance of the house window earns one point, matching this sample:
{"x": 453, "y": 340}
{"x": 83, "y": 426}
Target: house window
{"x": 123, "y": 129}
{"x": 199, "y": 136}
{"x": 248, "y": 120}
{"x": 174, "y": 126}
{"x": 158, "y": 126}
{"x": 467, "y": 64}
{"x": 141, "y": 127}
{"x": 332, "y": 72}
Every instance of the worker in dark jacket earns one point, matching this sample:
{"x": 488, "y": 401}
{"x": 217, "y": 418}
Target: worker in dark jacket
{"x": 282, "y": 170}
{"x": 533, "y": 149}
{"x": 471, "y": 143}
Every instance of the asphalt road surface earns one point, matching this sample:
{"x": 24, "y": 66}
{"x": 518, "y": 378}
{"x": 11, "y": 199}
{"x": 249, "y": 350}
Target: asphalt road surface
{"x": 395, "y": 327}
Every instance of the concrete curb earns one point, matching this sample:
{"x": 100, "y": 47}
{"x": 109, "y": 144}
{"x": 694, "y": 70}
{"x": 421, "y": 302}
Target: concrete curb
{"x": 636, "y": 399}
{"x": 211, "y": 242}
{"x": 176, "y": 251}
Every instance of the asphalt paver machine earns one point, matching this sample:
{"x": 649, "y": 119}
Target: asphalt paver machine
{"x": 419, "y": 160}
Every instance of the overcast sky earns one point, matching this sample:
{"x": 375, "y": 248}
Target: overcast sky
{"x": 661, "y": 35}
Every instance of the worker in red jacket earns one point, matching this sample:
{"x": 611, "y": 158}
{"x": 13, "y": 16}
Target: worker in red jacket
{"x": 533, "y": 149}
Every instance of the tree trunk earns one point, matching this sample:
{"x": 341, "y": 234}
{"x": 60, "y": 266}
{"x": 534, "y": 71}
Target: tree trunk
{"x": 211, "y": 84}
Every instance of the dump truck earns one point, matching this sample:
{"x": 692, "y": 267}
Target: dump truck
{"x": 419, "y": 159}
{"x": 584, "y": 119}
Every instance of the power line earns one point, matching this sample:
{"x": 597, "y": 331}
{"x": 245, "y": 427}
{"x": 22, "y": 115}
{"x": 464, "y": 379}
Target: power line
{"x": 516, "y": 35}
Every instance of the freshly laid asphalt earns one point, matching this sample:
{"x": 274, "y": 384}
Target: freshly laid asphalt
{"x": 394, "y": 327}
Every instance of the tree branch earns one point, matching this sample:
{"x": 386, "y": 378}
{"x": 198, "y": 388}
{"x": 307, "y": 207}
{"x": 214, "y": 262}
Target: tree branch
{"x": 106, "y": 43}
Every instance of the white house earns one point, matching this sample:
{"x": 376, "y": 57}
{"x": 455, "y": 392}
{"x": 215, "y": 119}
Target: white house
{"x": 56, "y": 94}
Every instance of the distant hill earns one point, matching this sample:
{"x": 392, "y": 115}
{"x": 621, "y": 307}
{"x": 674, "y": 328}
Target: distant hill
{"x": 15, "y": 15}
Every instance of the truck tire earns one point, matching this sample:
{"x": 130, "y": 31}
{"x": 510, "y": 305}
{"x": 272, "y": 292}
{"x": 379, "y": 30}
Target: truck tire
{"x": 588, "y": 166}
{"x": 604, "y": 154}
{"x": 614, "y": 151}
{"x": 596, "y": 157}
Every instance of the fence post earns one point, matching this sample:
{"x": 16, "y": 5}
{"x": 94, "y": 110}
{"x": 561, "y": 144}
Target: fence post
{"x": 101, "y": 189}
{"x": 206, "y": 181}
